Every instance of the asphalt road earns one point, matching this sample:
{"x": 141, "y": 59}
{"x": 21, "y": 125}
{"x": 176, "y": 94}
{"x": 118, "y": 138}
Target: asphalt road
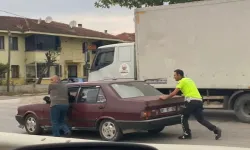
{"x": 234, "y": 133}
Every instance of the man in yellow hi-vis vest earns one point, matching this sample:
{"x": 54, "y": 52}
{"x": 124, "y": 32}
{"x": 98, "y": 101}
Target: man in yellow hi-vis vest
{"x": 193, "y": 105}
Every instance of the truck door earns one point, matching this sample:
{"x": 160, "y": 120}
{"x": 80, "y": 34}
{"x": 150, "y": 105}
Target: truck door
{"x": 113, "y": 62}
{"x": 125, "y": 62}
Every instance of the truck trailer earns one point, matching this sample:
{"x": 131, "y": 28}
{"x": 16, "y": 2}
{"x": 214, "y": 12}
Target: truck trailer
{"x": 209, "y": 40}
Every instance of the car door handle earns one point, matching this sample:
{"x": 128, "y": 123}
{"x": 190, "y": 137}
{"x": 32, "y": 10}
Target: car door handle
{"x": 101, "y": 107}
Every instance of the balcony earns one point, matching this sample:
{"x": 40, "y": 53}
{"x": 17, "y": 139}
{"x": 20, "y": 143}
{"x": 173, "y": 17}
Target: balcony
{"x": 74, "y": 56}
{"x": 37, "y": 45}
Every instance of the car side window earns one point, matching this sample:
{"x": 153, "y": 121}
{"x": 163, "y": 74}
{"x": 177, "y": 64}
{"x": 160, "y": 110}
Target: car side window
{"x": 91, "y": 95}
{"x": 101, "y": 98}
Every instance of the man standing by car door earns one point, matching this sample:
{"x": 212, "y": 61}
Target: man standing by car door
{"x": 193, "y": 105}
{"x": 59, "y": 106}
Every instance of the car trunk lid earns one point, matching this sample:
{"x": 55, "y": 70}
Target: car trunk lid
{"x": 155, "y": 108}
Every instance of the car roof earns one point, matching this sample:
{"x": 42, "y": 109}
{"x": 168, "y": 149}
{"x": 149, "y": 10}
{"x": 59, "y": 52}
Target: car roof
{"x": 106, "y": 82}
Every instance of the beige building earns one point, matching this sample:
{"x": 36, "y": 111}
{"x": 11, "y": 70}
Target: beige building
{"x": 32, "y": 38}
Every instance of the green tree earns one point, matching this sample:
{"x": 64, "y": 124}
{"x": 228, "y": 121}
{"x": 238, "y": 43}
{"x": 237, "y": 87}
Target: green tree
{"x": 136, "y": 3}
{"x": 51, "y": 58}
{"x": 3, "y": 70}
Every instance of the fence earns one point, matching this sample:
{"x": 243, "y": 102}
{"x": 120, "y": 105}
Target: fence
{"x": 31, "y": 88}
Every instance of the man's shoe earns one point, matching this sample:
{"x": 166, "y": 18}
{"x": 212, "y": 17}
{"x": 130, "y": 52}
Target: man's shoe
{"x": 68, "y": 134}
{"x": 217, "y": 133}
{"x": 185, "y": 136}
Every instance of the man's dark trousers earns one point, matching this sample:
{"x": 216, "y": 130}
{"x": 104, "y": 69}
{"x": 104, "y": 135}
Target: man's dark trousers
{"x": 58, "y": 114}
{"x": 194, "y": 107}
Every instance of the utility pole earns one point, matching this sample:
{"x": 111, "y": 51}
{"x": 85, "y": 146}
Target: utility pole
{"x": 86, "y": 59}
{"x": 9, "y": 67}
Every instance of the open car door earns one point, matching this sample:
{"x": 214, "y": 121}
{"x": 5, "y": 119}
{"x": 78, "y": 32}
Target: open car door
{"x": 46, "y": 120}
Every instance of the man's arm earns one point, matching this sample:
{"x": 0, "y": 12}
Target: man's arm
{"x": 177, "y": 89}
{"x": 165, "y": 97}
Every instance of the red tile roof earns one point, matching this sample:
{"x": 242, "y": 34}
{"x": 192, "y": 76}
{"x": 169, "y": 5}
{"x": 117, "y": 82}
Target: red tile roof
{"x": 129, "y": 37}
{"x": 25, "y": 25}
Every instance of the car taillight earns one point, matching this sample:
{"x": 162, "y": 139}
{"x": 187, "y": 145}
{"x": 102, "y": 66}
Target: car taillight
{"x": 146, "y": 114}
{"x": 149, "y": 113}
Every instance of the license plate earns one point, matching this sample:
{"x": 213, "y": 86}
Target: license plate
{"x": 167, "y": 109}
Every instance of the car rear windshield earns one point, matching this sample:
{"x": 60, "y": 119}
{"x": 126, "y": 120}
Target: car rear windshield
{"x": 135, "y": 89}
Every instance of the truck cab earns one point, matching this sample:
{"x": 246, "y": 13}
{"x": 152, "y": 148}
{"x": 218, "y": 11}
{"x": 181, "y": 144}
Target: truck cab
{"x": 115, "y": 61}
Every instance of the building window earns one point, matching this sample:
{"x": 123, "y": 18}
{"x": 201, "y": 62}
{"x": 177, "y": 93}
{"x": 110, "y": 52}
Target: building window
{"x": 42, "y": 43}
{"x": 15, "y": 71}
{"x": 58, "y": 70}
{"x": 14, "y": 45}
{"x": 1, "y": 42}
{"x": 31, "y": 71}
{"x": 42, "y": 70}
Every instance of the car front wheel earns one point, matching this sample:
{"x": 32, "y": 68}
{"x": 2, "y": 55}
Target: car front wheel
{"x": 32, "y": 126}
{"x": 109, "y": 130}
{"x": 156, "y": 131}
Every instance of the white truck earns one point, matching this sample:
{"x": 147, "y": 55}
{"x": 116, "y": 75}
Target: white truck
{"x": 209, "y": 40}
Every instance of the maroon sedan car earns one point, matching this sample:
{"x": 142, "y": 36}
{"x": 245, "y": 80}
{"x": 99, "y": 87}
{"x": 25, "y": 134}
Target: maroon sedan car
{"x": 113, "y": 108}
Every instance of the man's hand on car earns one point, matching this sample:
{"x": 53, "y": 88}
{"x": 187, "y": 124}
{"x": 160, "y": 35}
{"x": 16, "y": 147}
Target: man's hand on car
{"x": 163, "y": 97}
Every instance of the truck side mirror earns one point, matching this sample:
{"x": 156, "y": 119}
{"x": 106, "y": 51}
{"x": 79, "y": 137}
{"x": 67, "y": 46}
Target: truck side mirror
{"x": 86, "y": 66}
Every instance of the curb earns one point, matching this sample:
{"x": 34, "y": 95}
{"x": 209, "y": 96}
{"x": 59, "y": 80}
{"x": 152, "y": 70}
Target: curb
{"x": 14, "y": 100}
{"x": 22, "y": 95}
{"x": 14, "y": 140}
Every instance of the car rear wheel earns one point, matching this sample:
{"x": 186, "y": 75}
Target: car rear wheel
{"x": 156, "y": 131}
{"x": 109, "y": 130}
{"x": 32, "y": 125}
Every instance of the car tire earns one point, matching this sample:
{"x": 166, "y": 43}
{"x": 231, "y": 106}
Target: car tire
{"x": 109, "y": 130}
{"x": 242, "y": 108}
{"x": 156, "y": 131}
{"x": 32, "y": 126}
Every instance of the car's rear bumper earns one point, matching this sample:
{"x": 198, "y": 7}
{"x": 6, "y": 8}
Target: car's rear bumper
{"x": 20, "y": 119}
{"x": 150, "y": 124}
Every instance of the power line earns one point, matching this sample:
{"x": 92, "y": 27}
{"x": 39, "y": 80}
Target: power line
{"x": 25, "y": 19}
{"x": 7, "y": 12}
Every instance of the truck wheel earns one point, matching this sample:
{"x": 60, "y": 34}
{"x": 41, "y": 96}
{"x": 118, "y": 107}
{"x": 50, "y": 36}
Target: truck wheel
{"x": 32, "y": 125}
{"x": 242, "y": 108}
{"x": 109, "y": 130}
{"x": 156, "y": 131}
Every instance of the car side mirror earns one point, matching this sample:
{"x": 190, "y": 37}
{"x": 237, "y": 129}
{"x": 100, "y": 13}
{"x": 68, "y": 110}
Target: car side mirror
{"x": 47, "y": 99}
{"x": 89, "y": 146}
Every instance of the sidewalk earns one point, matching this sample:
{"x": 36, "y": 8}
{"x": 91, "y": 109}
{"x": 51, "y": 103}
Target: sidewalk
{"x": 25, "y": 99}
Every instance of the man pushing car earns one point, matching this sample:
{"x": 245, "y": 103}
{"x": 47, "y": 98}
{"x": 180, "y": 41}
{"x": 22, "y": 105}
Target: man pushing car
{"x": 193, "y": 105}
